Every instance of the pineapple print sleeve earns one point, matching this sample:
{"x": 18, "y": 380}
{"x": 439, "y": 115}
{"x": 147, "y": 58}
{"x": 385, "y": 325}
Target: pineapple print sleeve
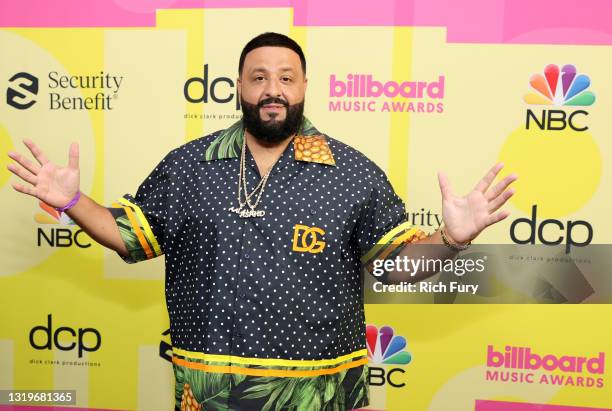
{"x": 141, "y": 218}
{"x": 382, "y": 228}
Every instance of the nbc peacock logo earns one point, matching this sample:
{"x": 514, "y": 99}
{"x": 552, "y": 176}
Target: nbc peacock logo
{"x": 560, "y": 87}
{"x": 52, "y": 216}
{"x": 386, "y": 349}
{"x": 564, "y": 89}
{"x": 54, "y": 236}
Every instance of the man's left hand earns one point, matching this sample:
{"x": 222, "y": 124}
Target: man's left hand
{"x": 465, "y": 217}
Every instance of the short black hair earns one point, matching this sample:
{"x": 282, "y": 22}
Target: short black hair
{"x": 271, "y": 39}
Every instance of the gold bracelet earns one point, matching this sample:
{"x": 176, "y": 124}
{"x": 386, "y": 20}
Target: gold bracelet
{"x": 454, "y": 247}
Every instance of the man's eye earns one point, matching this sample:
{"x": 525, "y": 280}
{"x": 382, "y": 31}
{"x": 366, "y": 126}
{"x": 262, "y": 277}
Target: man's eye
{"x": 259, "y": 78}
{"x": 286, "y": 78}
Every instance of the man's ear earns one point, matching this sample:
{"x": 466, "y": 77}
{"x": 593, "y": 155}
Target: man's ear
{"x": 239, "y": 87}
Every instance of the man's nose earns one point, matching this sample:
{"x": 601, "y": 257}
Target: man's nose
{"x": 273, "y": 88}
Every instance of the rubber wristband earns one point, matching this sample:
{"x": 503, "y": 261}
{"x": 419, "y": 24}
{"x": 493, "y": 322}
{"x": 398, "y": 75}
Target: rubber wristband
{"x": 71, "y": 204}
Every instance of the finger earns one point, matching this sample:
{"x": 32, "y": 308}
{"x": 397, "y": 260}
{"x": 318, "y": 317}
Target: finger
{"x": 73, "y": 156}
{"x": 24, "y": 189}
{"x": 500, "y": 187}
{"x": 22, "y": 173}
{"x": 496, "y": 218}
{"x": 500, "y": 200}
{"x": 24, "y": 162}
{"x": 488, "y": 178}
{"x": 36, "y": 152}
{"x": 445, "y": 187}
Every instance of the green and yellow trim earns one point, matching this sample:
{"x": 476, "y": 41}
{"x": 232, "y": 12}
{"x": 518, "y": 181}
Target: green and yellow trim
{"x": 135, "y": 231}
{"x": 399, "y": 236}
{"x": 267, "y": 367}
{"x": 144, "y": 223}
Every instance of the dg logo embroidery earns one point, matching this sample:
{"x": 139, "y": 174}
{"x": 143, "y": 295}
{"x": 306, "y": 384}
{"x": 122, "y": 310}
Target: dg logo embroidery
{"x": 306, "y": 239}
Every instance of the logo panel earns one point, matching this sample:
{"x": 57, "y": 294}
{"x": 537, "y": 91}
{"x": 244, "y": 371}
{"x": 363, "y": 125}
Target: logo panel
{"x": 306, "y": 239}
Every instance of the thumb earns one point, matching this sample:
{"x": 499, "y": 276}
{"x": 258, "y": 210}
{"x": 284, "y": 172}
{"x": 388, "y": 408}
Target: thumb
{"x": 73, "y": 156}
{"x": 445, "y": 187}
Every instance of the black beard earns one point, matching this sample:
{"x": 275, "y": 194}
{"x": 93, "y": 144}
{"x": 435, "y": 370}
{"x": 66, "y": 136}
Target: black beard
{"x": 272, "y": 131}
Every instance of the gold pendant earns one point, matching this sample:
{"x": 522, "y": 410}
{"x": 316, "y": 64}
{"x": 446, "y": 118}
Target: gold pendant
{"x": 247, "y": 213}
{"x": 252, "y": 213}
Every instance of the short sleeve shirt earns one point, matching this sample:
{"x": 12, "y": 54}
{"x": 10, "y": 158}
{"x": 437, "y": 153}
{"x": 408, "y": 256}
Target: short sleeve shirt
{"x": 266, "y": 311}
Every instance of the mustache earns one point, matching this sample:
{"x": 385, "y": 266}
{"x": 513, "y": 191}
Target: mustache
{"x": 272, "y": 100}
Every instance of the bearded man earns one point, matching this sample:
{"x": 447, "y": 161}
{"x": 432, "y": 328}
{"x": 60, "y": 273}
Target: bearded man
{"x": 265, "y": 227}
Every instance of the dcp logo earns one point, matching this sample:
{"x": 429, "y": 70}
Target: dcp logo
{"x": 305, "y": 239}
{"x": 21, "y": 91}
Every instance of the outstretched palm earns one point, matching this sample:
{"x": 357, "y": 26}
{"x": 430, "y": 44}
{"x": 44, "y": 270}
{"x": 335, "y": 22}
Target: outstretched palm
{"x": 48, "y": 182}
{"x": 465, "y": 217}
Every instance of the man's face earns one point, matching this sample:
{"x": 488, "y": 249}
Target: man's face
{"x": 272, "y": 86}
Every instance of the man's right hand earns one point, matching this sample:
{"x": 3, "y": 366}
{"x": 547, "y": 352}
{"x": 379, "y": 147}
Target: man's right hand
{"x": 57, "y": 186}
{"x": 48, "y": 182}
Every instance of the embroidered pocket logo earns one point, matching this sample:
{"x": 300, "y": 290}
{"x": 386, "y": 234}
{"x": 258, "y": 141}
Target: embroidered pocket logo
{"x": 306, "y": 239}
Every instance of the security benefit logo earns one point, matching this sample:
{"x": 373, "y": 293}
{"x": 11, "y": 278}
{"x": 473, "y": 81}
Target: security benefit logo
{"x": 50, "y": 336}
{"x": 22, "y": 90}
{"x": 387, "y": 356}
{"x": 563, "y": 88}
{"x": 526, "y": 365}
{"x": 56, "y": 229}
{"x": 308, "y": 239}
{"x": 64, "y": 91}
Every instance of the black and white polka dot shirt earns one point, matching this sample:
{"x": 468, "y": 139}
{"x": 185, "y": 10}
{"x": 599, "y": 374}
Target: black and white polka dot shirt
{"x": 269, "y": 298}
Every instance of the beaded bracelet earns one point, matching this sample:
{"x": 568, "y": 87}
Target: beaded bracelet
{"x": 453, "y": 246}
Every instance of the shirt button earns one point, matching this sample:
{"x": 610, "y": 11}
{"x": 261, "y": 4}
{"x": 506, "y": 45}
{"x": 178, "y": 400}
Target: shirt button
{"x": 313, "y": 211}
{"x": 247, "y": 256}
{"x": 241, "y": 295}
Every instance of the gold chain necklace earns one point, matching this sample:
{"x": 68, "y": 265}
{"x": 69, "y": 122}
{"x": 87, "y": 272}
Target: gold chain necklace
{"x": 242, "y": 186}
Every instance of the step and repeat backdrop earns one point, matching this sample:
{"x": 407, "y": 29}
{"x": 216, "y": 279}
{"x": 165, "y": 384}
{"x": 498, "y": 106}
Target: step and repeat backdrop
{"x": 418, "y": 86}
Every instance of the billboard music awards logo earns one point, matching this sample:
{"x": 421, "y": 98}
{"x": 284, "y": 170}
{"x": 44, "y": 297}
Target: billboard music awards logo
{"x": 57, "y": 236}
{"x": 561, "y": 87}
{"x": 526, "y": 366}
{"x": 364, "y": 93}
{"x": 386, "y": 349}
{"x": 65, "y": 91}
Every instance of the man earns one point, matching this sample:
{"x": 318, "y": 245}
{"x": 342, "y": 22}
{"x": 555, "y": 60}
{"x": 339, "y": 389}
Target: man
{"x": 265, "y": 227}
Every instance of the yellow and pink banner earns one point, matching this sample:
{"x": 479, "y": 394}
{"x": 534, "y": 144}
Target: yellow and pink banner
{"x": 418, "y": 86}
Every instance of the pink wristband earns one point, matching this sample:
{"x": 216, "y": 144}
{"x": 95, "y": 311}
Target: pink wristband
{"x": 71, "y": 203}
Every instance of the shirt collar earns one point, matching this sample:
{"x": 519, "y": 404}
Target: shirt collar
{"x": 309, "y": 145}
